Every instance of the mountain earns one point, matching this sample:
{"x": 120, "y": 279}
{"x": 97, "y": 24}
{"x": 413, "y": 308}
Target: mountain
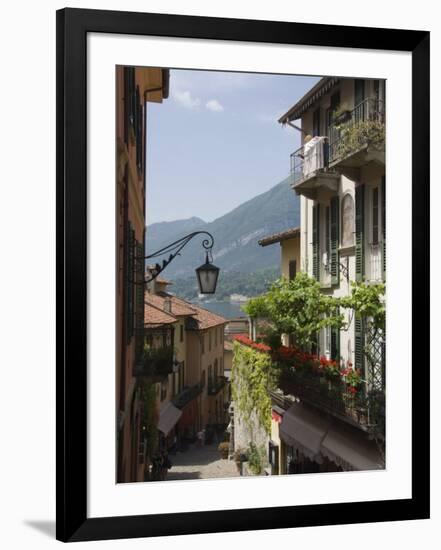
{"x": 163, "y": 233}
{"x": 236, "y": 234}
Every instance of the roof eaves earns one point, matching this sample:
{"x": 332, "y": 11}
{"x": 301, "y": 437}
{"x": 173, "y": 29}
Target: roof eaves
{"x": 314, "y": 94}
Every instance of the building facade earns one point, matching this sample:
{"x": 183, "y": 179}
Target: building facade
{"x": 339, "y": 173}
{"x": 134, "y": 88}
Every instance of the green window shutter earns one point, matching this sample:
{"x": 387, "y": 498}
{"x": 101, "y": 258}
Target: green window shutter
{"x": 130, "y": 245}
{"x": 139, "y": 300}
{"x": 335, "y": 272}
{"x": 316, "y": 241}
{"x": 359, "y": 343}
{"x": 383, "y": 225}
{"x": 359, "y": 233}
{"x": 335, "y": 344}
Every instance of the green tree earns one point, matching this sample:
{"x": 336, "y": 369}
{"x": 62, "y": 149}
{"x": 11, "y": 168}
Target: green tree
{"x": 297, "y": 307}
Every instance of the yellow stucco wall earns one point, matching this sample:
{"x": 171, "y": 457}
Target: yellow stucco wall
{"x": 290, "y": 251}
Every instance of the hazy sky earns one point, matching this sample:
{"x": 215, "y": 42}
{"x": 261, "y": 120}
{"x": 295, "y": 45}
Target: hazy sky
{"x": 215, "y": 142}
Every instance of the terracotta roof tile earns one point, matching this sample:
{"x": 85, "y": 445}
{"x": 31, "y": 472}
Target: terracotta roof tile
{"x": 204, "y": 319}
{"x": 154, "y": 316}
{"x": 178, "y": 307}
{"x": 281, "y": 236}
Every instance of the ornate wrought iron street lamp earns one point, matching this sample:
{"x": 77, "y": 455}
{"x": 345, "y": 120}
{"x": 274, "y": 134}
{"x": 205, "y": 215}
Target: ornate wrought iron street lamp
{"x": 207, "y": 277}
{"x": 207, "y": 273}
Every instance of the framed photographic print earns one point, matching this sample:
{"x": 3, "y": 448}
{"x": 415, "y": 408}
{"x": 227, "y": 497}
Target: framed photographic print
{"x": 237, "y": 345}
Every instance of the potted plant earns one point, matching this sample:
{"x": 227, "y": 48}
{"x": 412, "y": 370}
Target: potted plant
{"x": 224, "y": 449}
{"x": 342, "y": 114}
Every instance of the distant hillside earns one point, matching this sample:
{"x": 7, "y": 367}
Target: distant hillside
{"x": 231, "y": 282}
{"x": 162, "y": 233}
{"x": 236, "y": 234}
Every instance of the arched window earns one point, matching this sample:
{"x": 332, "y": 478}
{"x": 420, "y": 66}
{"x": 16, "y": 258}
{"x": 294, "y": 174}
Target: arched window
{"x": 347, "y": 221}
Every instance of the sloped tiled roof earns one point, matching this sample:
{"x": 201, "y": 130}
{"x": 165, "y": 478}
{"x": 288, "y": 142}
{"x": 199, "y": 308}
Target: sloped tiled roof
{"x": 180, "y": 303}
{"x": 282, "y": 236}
{"x": 154, "y": 317}
{"x": 178, "y": 307}
{"x": 204, "y": 319}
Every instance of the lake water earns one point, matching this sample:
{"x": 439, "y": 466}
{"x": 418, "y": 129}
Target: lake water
{"x": 229, "y": 310}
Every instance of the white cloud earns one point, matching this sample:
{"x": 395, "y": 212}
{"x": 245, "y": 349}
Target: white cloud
{"x": 186, "y": 99}
{"x": 214, "y": 105}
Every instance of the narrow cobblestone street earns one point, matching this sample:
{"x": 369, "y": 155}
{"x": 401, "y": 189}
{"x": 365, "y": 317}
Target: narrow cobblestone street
{"x": 201, "y": 463}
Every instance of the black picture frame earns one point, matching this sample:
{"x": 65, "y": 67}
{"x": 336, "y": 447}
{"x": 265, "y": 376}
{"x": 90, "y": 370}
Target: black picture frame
{"x": 71, "y": 428}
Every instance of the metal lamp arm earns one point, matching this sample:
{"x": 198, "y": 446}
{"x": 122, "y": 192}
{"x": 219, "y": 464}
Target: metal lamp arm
{"x": 175, "y": 248}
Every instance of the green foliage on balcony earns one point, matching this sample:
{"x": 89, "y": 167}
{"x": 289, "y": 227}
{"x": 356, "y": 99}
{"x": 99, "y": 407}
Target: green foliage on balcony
{"x": 353, "y": 137}
{"x": 156, "y": 362}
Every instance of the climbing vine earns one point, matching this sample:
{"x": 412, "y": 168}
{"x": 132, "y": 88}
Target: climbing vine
{"x": 149, "y": 417}
{"x": 296, "y": 307}
{"x": 253, "y": 375}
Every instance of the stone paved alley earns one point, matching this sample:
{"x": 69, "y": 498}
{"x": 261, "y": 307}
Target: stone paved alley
{"x": 201, "y": 463}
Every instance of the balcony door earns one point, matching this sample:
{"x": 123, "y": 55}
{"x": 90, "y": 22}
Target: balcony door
{"x": 359, "y": 97}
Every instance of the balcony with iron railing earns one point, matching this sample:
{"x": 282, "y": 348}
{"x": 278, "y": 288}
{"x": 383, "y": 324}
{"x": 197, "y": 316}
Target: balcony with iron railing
{"x": 356, "y": 137}
{"x": 323, "y": 384}
{"x": 215, "y": 384}
{"x": 364, "y": 409}
{"x": 155, "y": 363}
{"x": 309, "y": 166}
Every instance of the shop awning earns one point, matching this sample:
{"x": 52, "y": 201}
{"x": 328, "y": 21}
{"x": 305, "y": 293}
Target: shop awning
{"x": 304, "y": 430}
{"x": 351, "y": 449}
{"x": 168, "y": 418}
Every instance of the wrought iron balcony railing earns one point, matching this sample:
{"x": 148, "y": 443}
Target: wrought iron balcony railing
{"x": 215, "y": 384}
{"x": 365, "y": 409}
{"x": 155, "y": 363}
{"x": 352, "y": 130}
{"x": 349, "y": 132}
{"x": 298, "y": 168}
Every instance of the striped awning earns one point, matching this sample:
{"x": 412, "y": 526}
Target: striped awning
{"x": 322, "y": 87}
{"x": 351, "y": 449}
{"x": 168, "y": 418}
{"x": 304, "y": 429}
{"x": 316, "y": 436}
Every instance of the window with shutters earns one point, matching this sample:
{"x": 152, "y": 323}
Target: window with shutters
{"x": 359, "y": 344}
{"x": 335, "y": 344}
{"x": 129, "y": 279}
{"x": 139, "y": 130}
{"x": 359, "y": 233}
{"x": 139, "y": 299}
{"x": 316, "y": 241}
{"x": 316, "y": 122}
{"x": 129, "y": 103}
{"x": 292, "y": 268}
{"x": 334, "y": 241}
{"x": 383, "y": 226}
{"x": 375, "y": 253}
{"x": 375, "y": 217}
